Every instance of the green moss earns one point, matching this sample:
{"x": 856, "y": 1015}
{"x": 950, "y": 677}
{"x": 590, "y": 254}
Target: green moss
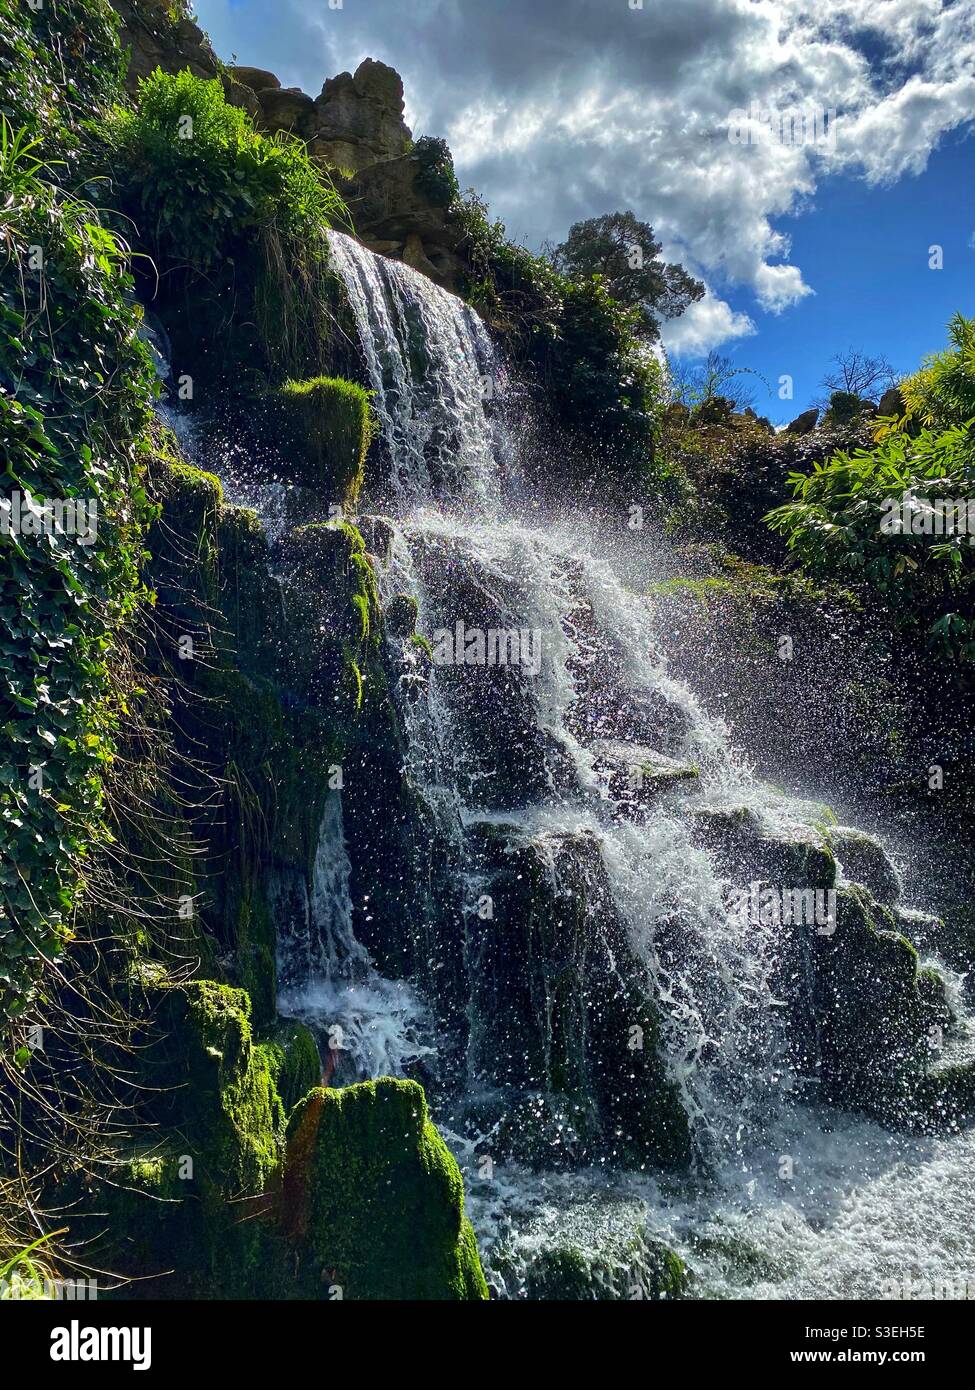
{"x": 196, "y": 1209}
{"x": 231, "y": 1105}
{"x": 872, "y": 1016}
{"x": 295, "y": 1062}
{"x": 375, "y": 1199}
{"x": 330, "y": 422}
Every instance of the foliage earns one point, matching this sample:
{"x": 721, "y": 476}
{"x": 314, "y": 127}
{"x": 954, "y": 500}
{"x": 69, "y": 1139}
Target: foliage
{"x": 845, "y": 520}
{"x": 844, "y": 407}
{"x": 737, "y": 468}
{"x": 942, "y": 393}
{"x": 60, "y": 64}
{"x": 206, "y": 179}
{"x": 75, "y": 393}
{"x": 436, "y": 178}
{"x": 586, "y": 348}
{"x": 625, "y": 252}
{"x": 332, "y": 425}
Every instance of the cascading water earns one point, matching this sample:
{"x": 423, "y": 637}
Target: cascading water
{"x": 527, "y": 755}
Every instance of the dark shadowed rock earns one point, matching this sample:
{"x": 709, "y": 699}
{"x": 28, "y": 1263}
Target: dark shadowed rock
{"x": 258, "y": 79}
{"x": 804, "y": 423}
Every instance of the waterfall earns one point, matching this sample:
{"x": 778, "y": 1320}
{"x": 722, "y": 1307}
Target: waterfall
{"x": 459, "y": 555}
{"x": 519, "y": 750}
{"x": 366, "y": 1026}
{"x": 431, "y": 365}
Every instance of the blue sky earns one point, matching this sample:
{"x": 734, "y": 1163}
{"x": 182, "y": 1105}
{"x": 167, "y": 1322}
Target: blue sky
{"x": 864, "y": 252}
{"x": 558, "y": 110}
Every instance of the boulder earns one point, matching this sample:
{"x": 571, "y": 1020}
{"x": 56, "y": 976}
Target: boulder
{"x": 258, "y": 79}
{"x": 562, "y": 1009}
{"x": 748, "y": 851}
{"x": 635, "y": 775}
{"x": 892, "y": 403}
{"x": 863, "y": 859}
{"x": 374, "y": 1200}
{"x": 286, "y": 109}
{"x": 804, "y": 423}
{"x": 592, "y": 1249}
{"x": 155, "y": 40}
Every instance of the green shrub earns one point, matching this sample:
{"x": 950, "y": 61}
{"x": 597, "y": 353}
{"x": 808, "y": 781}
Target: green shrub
{"x": 60, "y": 65}
{"x": 75, "y": 395}
{"x": 583, "y": 346}
{"x": 942, "y": 393}
{"x": 844, "y": 407}
{"x": 234, "y": 220}
{"x": 205, "y": 178}
{"x": 842, "y": 523}
{"x": 436, "y": 178}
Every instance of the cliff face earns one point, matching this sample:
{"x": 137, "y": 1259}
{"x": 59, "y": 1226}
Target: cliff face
{"x": 355, "y": 127}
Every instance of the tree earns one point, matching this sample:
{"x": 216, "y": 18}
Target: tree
{"x": 716, "y": 377}
{"x": 857, "y": 374}
{"x": 625, "y": 252}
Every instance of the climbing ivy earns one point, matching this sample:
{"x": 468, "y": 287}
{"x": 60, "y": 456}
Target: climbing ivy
{"x": 76, "y": 389}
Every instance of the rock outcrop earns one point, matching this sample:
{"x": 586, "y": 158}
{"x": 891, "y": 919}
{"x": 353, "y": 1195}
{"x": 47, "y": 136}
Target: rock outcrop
{"x": 355, "y": 126}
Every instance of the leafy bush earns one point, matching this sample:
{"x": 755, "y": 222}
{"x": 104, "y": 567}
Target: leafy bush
{"x": 584, "y": 347}
{"x": 943, "y": 391}
{"x": 60, "y": 64}
{"x": 206, "y": 179}
{"x": 436, "y": 178}
{"x": 839, "y": 524}
{"x": 75, "y": 393}
{"x": 738, "y": 469}
{"x": 871, "y": 517}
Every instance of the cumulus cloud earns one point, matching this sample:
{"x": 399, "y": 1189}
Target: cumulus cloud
{"x": 705, "y": 325}
{"x": 558, "y": 110}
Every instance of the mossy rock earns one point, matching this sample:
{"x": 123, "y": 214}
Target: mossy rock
{"x": 564, "y": 1008}
{"x": 197, "y": 1208}
{"x": 872, "y": 1010}
{"x": 566, "y": 1274}
{"x": 593, "y": 1248}
{"x": 295, "y": 1062}
{"x": 328, "y": 422}
{"x": 748, "y": 851}
{"x": 223, "y": 1098}
{"x": 864, "y": 860}
{"x": 402, "y": 613}
{"x": 375, "y": 1200}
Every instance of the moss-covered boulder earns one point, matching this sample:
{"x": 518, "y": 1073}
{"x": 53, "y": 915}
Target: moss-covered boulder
{"x": 294, "y": 1060}
{"x": 593, "y": 1248}
{"x": 191, "y": 1214}
{"x": 327, "y": 428}
{"x": 223, "y": 1099}
{"x": 374, "y": 1199}
{"x": 872, "y": 1010}
{"x": 864, "y": 860}
{"x": 334, "y": 617}
{"x": 747, "y": 850}
{"x": 563, "y": 1010}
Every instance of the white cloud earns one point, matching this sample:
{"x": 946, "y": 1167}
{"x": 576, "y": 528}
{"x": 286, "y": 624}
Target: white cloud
{"x": 705, "y": 325}
{"x": 559, "y": 110}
